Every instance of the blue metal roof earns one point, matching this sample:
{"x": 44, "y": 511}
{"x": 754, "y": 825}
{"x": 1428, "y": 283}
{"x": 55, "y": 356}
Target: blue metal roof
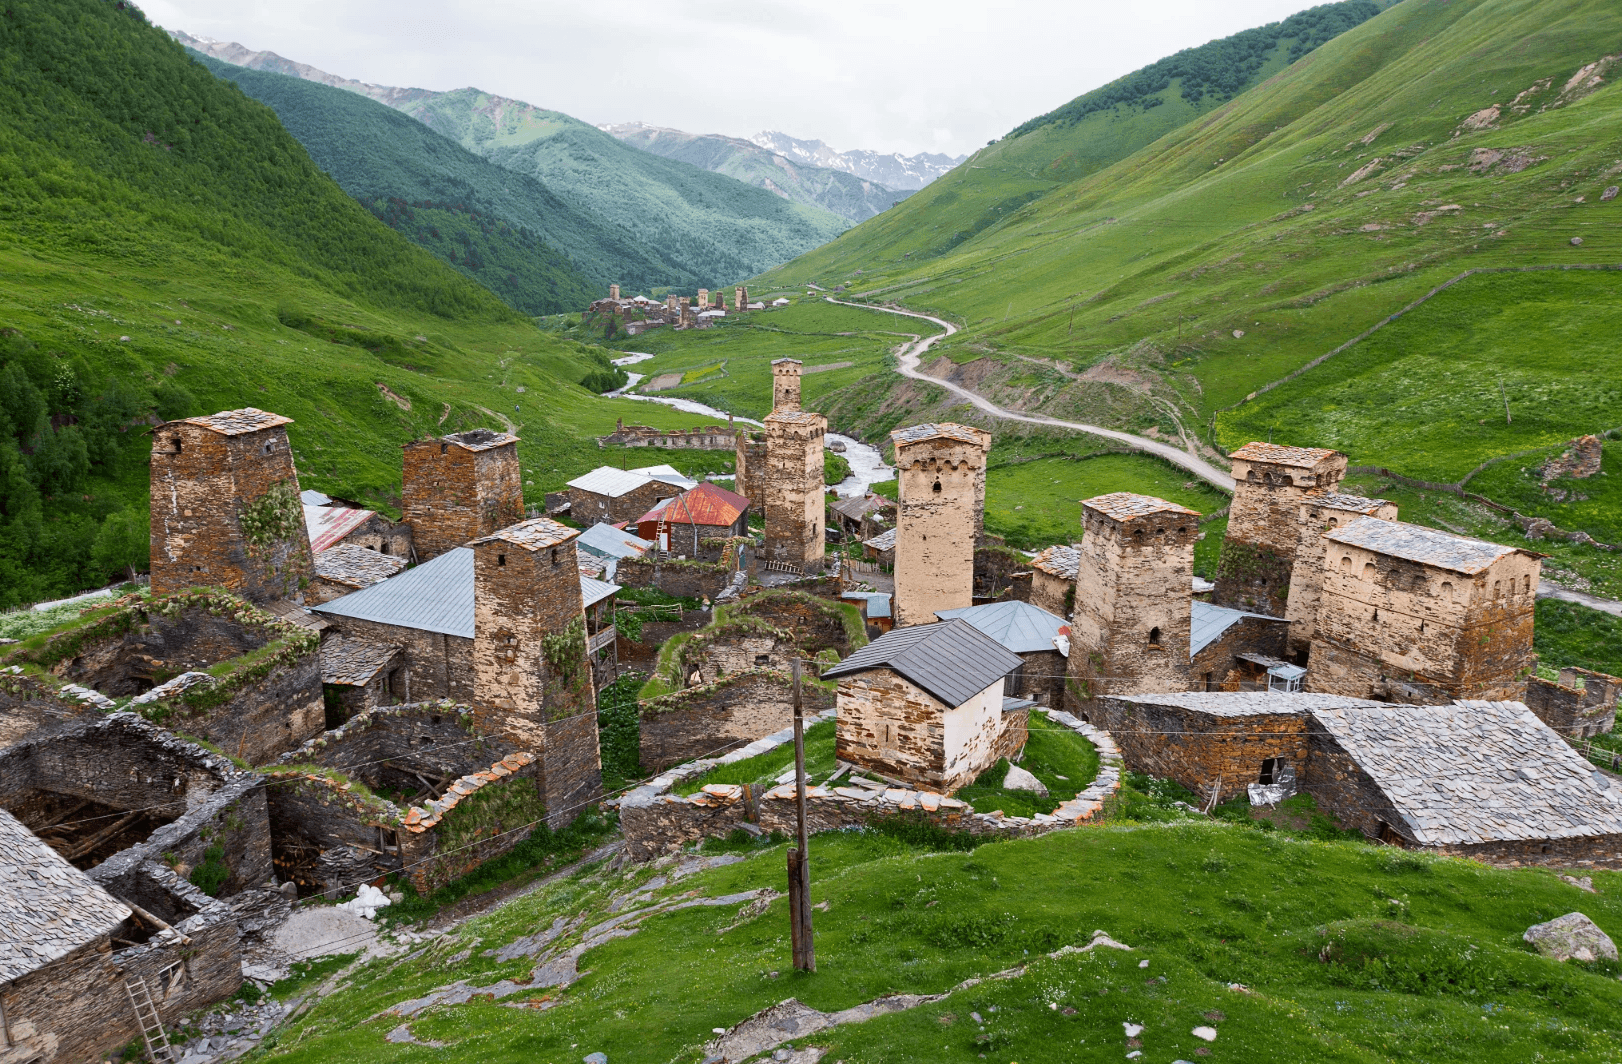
{"x": 436, "y": 596}
{"x": 1019, "y": 626}
{"x": 1208, "y": 622}
{"x": 878, "y": 602}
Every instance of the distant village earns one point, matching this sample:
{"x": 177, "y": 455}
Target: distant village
{"x": 638, "y": 314}
{"x": 312, "y": 697}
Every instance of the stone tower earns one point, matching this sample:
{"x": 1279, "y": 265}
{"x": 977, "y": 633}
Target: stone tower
{"x": 1129, "y": 634}
{"x": 785, "y": 384}
{"x": 1258, "y": 552}
{"x": 937, "y": 468}
{"x": 460, "y": 487}
{"x": 531, "y": 673}
{"x": 793, "y": 490}
{"x": 703, "y": 298}
{"x": 613, "y": 291}
{"x": 749, "y": 451}
{"x": 740, "y": 298}
{"x": 225, "y": 507}
{"x": 1321, "y": 512}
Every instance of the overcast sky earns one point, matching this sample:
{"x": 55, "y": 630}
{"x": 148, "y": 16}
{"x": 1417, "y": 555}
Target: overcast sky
{"x": 885, "y": 75}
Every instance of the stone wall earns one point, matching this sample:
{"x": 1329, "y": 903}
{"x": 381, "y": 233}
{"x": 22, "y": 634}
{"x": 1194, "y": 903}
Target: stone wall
{"x": 1041, "y": 678}
{"x": 454, "y": 491}
{"x": 1214, "y": 667}
{"x": 815, "y": 622}
{"x": 29, "y": 703}
{"x": 750, "y": 458}
{"x": 1203, "y": 751}
{"x": 938, "y": 468}
{"x": 382, "y": 535}
{"x": 995, "y": 568}
{"x": 1320, "y": 512}
{"x": 226, "y": 512}
{"x": 1052, "y": 593}
{"x": 439, "y": 665}
{"x": 707, "y": 720}
{"x": 698, "y": 580}
{"x": 701, "y": 542}
{"x": 1580, "y": 704}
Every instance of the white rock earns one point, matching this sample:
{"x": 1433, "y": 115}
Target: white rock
{"x": 1132, "y": 1029}
{"x": 1205, "y": 1033}
{"x": 1020, "y": 780}
{"x": 1572, "y": 936}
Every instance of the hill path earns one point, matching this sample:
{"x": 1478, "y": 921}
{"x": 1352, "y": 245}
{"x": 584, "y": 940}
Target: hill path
{"x": 913, "y": 354}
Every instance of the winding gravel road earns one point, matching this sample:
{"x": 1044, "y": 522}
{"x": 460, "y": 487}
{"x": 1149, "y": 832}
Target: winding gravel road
{"x": 914, "y": 352}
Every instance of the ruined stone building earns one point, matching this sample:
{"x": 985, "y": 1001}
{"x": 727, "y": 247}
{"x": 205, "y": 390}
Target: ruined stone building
{"x": 864, "y": 516}
{"x": 681, "y": 524}
{"x": 532, "y": 677}
{"x": 1130, "y": 630}
{"x": 940, "y": 471}
{"x": 1053, "y": 578}
{"x": 460, "y": 487}
{"x": 703, "y": 438}
{"x": 1321, "y": 511}
{"x": 1580, "y": 703}
{"x": 1235, "y": 650}
{"x": 1411, "y": 614}
{"x": 792, "y": 490}
{"x": 1271, "y": 482}
{"x": 1033, "y": 634}
{"x": 225, "y": 507}
{"x": 925, "y": 705}
{"x": 618, "y": 495}
{"x": 330, "y": 526}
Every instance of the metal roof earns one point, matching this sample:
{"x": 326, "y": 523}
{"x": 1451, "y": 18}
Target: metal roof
{"x": 1475, "y": 772}
{"x": 1279, "y": 454}
{"x": 594, "y": 591}
{"x": 311, "y": 497}
{"x": 326, "y": 525}
{"x": 610, "y": 482}
{"x": 708, "y": 504}
{"x": 239, "y": 422}
{"x": 48, "y": 908}
{"x": 667, "y": 474}
{"x": 1124, "y": 506}
{"x": 1208, "y": 622}
{"x": 1019, "y": 626}
{"x": 952, "y": 660}
{"x": 878, "y": 602}
{"x": 603, "y": 538}
{"x": 1417, "y": 543}
{"x": 436, "y": 596}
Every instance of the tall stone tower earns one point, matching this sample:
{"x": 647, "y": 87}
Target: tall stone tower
{"x": 613, "y": 291}
{"x": 531, "y": 674}
{"x": 1258, "y": 552}
{"x": 225, "y": 507}
{"x": 793, "y": 490}
{"x": 740, "y": 298}
{"x": 1321, "y": 512}
{"x": 749, "y": 452}
{"x": 460, "y": 487}
{"x": 937, "y": 468}
{"x": 703, "y": 298}
{"x": 785, "y": 384}
{"x": 1130, "y": 631}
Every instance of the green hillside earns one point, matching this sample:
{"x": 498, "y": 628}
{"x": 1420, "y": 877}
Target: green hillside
{"x": 835, "y": 191}
{"x": 168, "y": 249}
{"x": 714, "y": 229}
{"x": 495, "y": 223}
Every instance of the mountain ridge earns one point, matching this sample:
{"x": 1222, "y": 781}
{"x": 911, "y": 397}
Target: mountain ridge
{"x": 894, "y": 170}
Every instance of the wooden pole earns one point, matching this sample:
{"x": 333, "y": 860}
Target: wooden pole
{"x": 799, "y": 865}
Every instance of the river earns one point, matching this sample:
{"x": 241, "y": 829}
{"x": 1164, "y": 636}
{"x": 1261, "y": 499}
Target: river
{"x": 866, "y": 463}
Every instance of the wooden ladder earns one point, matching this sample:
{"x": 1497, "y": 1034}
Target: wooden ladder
{"x": 158, "y": 1049}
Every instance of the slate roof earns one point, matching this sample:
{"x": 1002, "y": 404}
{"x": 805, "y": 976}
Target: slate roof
{"x": 1250, "y": 703}
{"x": 1475, "y": 772}
{"x": 881, "y": 542}
{"x": 480, "y": 439}
{"x": 1059, "y": 560}
{"x": 859, "y": 506}
{"x": 48, "y": 908}
{"x": 1356, "y": 504}
{"x": 1208, "y": 622}
{"x": 952, "y": 660}
{"x": 239, "y": 422}
{"x": 355, "y": 566}
{"x": 1415, "y": 543}
{"x": 1019, "y": 626}
{"x": 436, "y": 596}
{"x": 354, "y": 662}
{"x": 1124, "y": 506}
{"x": 796, "y": 417}
{"x": 609, "y": 482}
{"x": 594, "y": 591}
{"x": 1279, "y": 454}
{"x": 779, "y": 361}
{"x": 708, "y": 504}
{"x": 944, "y": 430}
{"x": 326, "y": 525}
{"x": 603, "y": 538}
{"x": 537, "y": 533}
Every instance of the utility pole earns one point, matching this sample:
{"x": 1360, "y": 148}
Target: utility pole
{"x": 799, "y": 866}
{"x": 1506, "y": 399}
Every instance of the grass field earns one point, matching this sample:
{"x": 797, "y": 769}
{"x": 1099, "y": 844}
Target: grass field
{"x": 1035, "y": 503}
{"x": 1291, "y": 950}
{"x": 1063, "y": 761}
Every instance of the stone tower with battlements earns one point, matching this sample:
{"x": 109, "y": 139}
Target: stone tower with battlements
{"x": 225, "y": 507}
{"x": 785, "y": 384}
{"x": 460, "y": 487}
{"x": 1129, "y": 634}
{"x": 532, "y": 677}
{"x": 1321, "y": 512}
{"x": 792, "y": 489}
{"x": 1264, "y": 522}
{"x": 940, "y": 469}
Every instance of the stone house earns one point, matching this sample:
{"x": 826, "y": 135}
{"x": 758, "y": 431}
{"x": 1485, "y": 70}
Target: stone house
{"x": 681, "y": 523}
{"x": 330, "y": 526}
{"x": 1130, "y": 628}
{"x": 615, "y": 495}
{"x": 925, "y": 705}
{"x": 349, "y": 567}
{"x": 358, "y": 675}
{"x": 459, "y": 487}
{"x": 863, "y": 516}
{"x": 225, "y": 507}
{"x": 1053, "y": 579}
{"x": 1233, "y": 650}
{"x": 940, "y": 471}
{"x": 1030, "y": 632}
{"x": 1411, "y": 614}
{"x": 1271, "y": 482}
{"x": 1321, "y": 511}
{"x": 1580, "y": 703}
{"x": 881, "y": 548}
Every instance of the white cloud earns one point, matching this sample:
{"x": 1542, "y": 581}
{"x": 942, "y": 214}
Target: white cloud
{"x": 886, "y": 75}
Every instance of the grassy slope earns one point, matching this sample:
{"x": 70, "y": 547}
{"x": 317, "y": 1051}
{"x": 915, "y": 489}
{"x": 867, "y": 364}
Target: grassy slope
{"x": 1349, "y": 953}
{"x": 711, "y": 229}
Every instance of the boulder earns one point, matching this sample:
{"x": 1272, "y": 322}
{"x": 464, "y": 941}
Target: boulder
{"x": 1019, "y": 779}
{"x": 1572, "y": 936}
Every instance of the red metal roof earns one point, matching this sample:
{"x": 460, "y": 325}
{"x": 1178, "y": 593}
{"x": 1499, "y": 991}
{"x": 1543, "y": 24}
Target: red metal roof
{"x": 708, "y": 504}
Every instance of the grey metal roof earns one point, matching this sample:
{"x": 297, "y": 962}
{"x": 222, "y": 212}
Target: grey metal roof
{"x": 1248, "y": 703}
{"x": 311, "y": 497}
{"x": 594, "y": 591}
{"x": 1019, "y": 626}
{"x": 1416, "y": 543}
{"x": 878, "y": 602}
{"x": 1475, "y": 772}
{"x": 48, "y": 908}
{"x": 603, "y": 538}
{"x": 952, "y": 660}
{"x": 436, "y": 596}
{"x": 1208, "y": 622}
{"x": 1011, "y": 704}
{"x": 610, "y": 482}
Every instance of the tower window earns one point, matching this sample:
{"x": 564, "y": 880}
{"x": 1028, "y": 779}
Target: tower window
{"x": 1154, "y": 637}
{"x": 501, "y": 559}
{"x": 176, "y": 441}
{"x": 267, "y": 448}
{"x": 937, "y": 488}
{"x": 554, "y": 557}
